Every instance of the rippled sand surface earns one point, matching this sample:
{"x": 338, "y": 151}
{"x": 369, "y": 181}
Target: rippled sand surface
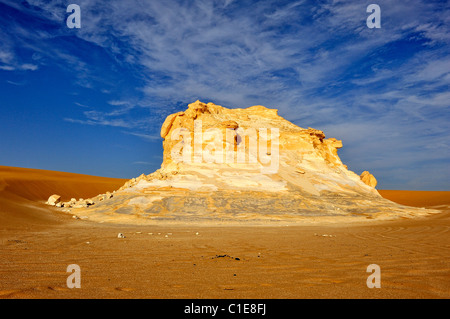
{"x": 37, "y": 243}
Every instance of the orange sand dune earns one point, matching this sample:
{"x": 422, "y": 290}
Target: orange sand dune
{"x": 38, "y": 242}
{"x": 417, "y": 198}
{"x": 23, "y": 188}
{"x": 38, "y": 185}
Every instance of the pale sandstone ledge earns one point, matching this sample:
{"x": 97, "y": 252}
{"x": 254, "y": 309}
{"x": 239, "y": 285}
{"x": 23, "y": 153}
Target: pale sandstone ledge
{"x": 296, "y": 176}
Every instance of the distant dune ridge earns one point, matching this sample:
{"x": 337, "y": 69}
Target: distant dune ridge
{"x": 23, "y": 190}
{"x": 225, "y": 166}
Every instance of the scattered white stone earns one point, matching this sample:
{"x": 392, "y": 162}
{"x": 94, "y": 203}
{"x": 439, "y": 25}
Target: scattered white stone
{"x": 53, "y": 200}
{"x": 197, "y": 233}
{"x": 75, "y": 217}
{"x": 80, "y": 205}
{"x": 324, "y": 235}
{"x": 120, "y": 235}
{"x": 150, "y": 233}
{"x": 138, "y": 232}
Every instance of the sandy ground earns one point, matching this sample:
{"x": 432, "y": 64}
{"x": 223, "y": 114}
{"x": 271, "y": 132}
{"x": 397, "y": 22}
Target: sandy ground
{"x": 37, "y": 243}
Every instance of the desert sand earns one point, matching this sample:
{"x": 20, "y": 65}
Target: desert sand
{"x": 38, "y": 242}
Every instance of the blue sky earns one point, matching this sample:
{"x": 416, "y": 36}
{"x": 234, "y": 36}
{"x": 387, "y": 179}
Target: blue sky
{"x": 92, "y": 100}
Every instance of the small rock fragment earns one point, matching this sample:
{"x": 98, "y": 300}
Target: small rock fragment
{"x": 53, "y": 200}
{"x": 230, "y": 124}
{"x": 368, "y": 179}
{"x": 81, "y": 204}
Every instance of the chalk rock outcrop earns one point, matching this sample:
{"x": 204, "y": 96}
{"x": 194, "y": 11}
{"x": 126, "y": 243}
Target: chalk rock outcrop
{"x": 247, "y": 165}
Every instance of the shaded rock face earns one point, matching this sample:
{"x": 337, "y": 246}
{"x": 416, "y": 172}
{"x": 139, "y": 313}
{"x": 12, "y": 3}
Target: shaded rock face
{"x": 248, "y": 165}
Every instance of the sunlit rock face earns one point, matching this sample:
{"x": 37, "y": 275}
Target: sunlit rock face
{"x": 245, "y": 166}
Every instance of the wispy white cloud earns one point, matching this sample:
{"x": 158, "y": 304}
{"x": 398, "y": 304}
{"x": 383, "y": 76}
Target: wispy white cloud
{"x": 15, "y": 83}
{"x": 99, "y": 120}
{"x": 147, "y": 137}
{"x": 81, "y": 105}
